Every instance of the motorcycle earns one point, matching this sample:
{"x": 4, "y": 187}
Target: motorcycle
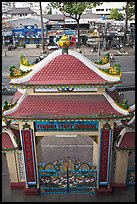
{"x": 111, "y": 57}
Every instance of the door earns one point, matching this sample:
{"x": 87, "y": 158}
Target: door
{"x": 67, "y": 176}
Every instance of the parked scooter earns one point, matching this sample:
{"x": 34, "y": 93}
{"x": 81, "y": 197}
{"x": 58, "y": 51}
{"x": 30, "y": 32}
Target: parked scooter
{"x": 111, "y": 57}
{"x": 38, "y": 59}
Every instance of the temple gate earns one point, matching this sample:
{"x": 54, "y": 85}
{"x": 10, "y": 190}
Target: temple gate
{"x": 66, "y": 94}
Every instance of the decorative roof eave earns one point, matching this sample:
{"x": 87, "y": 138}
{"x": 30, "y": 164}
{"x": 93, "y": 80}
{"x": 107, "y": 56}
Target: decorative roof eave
{"x": 120, "y": 138}
{"x": 115, "y": 106}
{"x": 26, "y": 68}
{"x": 73, "y": 118}
{"x": 92, "y": 85}
{"x": 12, "y": 137}
{"x": 56, "y": 53}
{"x": 17, "y": 104}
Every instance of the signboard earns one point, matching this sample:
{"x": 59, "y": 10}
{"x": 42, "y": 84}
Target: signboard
{"x": 66, "y": 126}
{"x": 29, "y": 158}
{"x": 105, "y": 145}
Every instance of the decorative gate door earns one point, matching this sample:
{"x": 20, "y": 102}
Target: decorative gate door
{"x": 67, "y": 176}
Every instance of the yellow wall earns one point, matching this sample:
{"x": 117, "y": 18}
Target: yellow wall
{"x": 121, "y": 166}
{"x": 12, "y": 167}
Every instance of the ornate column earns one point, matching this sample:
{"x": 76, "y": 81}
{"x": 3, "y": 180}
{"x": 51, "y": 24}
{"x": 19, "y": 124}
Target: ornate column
{"x": 27, "y": 135}
{"x": 104, "y": 159}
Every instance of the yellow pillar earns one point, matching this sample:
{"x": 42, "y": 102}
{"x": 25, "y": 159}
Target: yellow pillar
{"x": 95, "y": 153}
{"x": 38, "y": 150}
{"x": 12, "y": 167}
{"x": 121, "y": 167}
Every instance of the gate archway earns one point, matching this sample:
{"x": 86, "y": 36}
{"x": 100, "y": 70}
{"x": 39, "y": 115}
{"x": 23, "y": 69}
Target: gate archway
{"x": 67, "y": 176}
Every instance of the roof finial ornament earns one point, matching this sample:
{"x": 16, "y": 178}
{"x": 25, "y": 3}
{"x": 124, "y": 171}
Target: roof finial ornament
{"x": 64, "y": 43}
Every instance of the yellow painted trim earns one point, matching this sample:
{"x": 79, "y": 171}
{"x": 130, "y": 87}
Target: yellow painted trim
{"x": 111, "y": 74}
{"x": 31, "y": 66}
{"x": 102, "y": 64}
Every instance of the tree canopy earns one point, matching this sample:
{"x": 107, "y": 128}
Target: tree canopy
{"x": 114, "y": 14}
{"x": 129, "y": 9}
{"x": 73, "y": 10}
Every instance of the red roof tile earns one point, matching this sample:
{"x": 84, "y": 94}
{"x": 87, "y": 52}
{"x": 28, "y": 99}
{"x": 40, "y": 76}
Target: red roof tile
{"x": 16, "y": 96}
{"x": 6, "y": 141}
{"x": 128, "y": 140}
{"x": 65, "y": 69}
{"x": 63, "y": 106}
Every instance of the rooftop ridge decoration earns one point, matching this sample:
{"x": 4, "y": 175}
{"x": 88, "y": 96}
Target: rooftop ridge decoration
{"x": 17, "y": 72}
{"x": 121, "y": 108}
{"x": 104, "y": 60}
{"x": 115, "y": 70}
{"x": 75, "y": 54}
{"x": 24, "y": 63}
{"x": 15, "y": 106}
{"x": 64, "y": 42}
{"x": 8, "y": 106}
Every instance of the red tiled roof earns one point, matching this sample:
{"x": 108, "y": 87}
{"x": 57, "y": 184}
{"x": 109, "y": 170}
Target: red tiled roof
{"x": 16, "y": 96}
{"x": 128, "y": 140}
{"x": 6, "y": 141}
{"x": 65, "y": 69}
{"x": 63, "y": 106}
{"x": 15, "y": 132}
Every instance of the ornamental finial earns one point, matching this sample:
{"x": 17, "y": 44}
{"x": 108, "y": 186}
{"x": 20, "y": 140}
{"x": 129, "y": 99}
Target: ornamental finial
{"x": 64, "y": 42}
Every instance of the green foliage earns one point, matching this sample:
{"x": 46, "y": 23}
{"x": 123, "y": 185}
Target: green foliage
{"x": 124, "y": 104}
{"x": 114, "y": 14}
{"x": 130, "y": 9}
{"x": 50, "y": 11}
{"x": 115, "y": 70}
{"x": 14, "y": 72}
{"x": 11, "y": 69}
{"x": 73, "y": 10}
{"x": 7, "y": 106}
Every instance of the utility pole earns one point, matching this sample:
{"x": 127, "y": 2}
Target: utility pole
{"x": 99, "y": 50}
{"x": 125, "y": 27}
{"x": 43, "y": 42}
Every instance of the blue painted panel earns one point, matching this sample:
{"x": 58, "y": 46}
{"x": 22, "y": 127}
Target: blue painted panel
{"x": 43, "y": 126}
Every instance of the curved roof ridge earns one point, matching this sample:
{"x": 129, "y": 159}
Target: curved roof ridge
{"x": 88, "y": 63}
{"x": 75, "y": 54}
{"x": 37, "y": 67}
{"x": 121, "y": 135}
{"x": 17, "y": 105}
{"x": 114, "y": 105}
{"x": 11, "y": 135}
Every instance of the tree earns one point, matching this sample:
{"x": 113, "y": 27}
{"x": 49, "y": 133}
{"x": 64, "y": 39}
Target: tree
{"x": 74, "y": 10}
{"x": 43, "y": 43}
{"x": 129, "y": 12}
{"x": 114, "y": 14}
{"x": 50, "y": 11}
